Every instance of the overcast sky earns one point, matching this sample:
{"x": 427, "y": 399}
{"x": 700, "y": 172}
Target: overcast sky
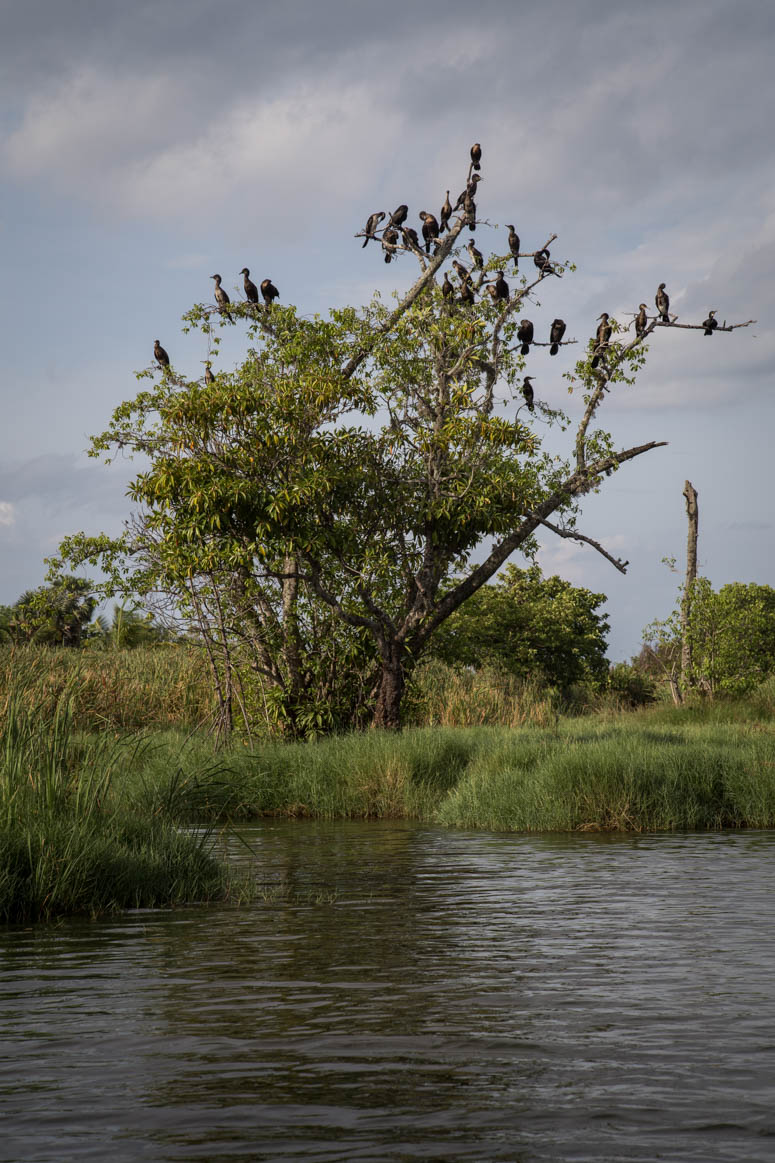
{"x": 145, "y": 145}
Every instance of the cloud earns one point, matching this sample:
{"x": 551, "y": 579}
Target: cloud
{"x": 7, "y": 513}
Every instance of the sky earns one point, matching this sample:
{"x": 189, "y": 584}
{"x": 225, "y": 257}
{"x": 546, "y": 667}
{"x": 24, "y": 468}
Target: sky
{"x": 145, "y": 146}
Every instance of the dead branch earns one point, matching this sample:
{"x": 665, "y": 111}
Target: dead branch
{"x": 571, "y": 533}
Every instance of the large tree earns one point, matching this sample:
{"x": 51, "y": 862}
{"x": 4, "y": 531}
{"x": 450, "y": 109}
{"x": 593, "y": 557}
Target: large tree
{"x": 357, "y": 478}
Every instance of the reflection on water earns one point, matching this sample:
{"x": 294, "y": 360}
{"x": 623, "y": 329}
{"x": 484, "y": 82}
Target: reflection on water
{"x": 463, "y": 996}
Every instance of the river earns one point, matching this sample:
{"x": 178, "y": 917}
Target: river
{"x": 413, "y": 994}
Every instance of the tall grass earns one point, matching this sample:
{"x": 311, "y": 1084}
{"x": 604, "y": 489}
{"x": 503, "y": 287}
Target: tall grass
{"x": 71, "y": 842}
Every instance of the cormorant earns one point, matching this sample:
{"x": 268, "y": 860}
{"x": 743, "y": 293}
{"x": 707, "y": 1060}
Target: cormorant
{"x": 501, "y": 288}
{"x": 514, "y": 246}
{"x": 710, "y": 324}
{"x": 269, "y": 291}
{"x": 430, "y": 228}
{"x": 209, "y": 377}
{"x": 221, "y": 298}
{"x": 663, "y": 303}
{"x": 527, "y": 392}
{"x": 525, "y": 335}
{"x": 251, "y": 290}
{"x": 466, "y": 293}
{"x": 476, "y": 256}
{"x": 372, "y": 222}
{"x": 162, "y": 358}
{"x": 541, "y": 260}
{"x": 446, "y": 214}
{"x": 476, "y": 155}
{"x": 556, "y": 333}
{"x": 398, "y": 217}
{"x": 641, "y": 320}
{"x": 463, "y": 271}
{"x": 447, "y": 287}
{"x": 470, "y": 190}
{"x": 389, "y": 240}
{"x": 602, "y": 338}
{"x": 410, "y": 237}
{"x": 469, "y": 209}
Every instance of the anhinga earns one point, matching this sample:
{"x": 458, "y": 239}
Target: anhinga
{"x": 372, "y": 222}
{"x": 556, "y": 333}
{"x": 662, "y": 301}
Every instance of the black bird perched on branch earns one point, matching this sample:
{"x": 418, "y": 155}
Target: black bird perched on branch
{"x": 469, "y": 209}
{"x": 269, "y": 291}
{"x": 372, "y": 222}
{"x": 221, "y": 298}
{"x": 641, "y": 320}
{"x": 602, "y": 338}
{"x": 447, "y": 287}
{"x": 527, "y": 392}
{"x": 209, "y": 377}
{"x": 710, "y": 324}
{"x": 430, "y": 228}
{"x": 466, "y": 293}
{"x": 251, "y": 290}
{"x": 446, "y": 214}
{"x": 410, "y": 238}
{"x": 389, "y": 240}
{"x": 162, "y": 358}
{"x": 476, "y": 155}
{"x": 463, "y": 271}
{"x": 476, "y": 255}
{"x": 525, "y": 336}
{"x": 556, "y": 333}
{"x": 501, "y": 288}
{"x": 541, "y": 260}
{"x": 398, "y": 217}
{"x": 469, "y": 191}
{"x": 662, "y": 301}
{"x": 514, "y": 246}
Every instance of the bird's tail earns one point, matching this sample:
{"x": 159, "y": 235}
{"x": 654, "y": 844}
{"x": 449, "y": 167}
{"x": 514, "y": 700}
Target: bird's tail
{"x": 524, "y": 349}
{"x": 554, "y": 349}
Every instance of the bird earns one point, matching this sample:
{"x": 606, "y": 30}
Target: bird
{"x": 389, "y": 240}
{"x": 410, "y": 238}
{"x": 711, "y": 323}
{"x": 251, "y": 290}
{"x": 641, "y": 320}
{"x": 525, "y": 335}
{"x": 470, "y": 190}
{"x": 527, "y": 392}
{"x": 466, "y": 293}
{"x": 541, "y": 260}
{"x": 501, "y": 288}
{"x": 469, "y": 209}
{"x": 398, "y": 217}
{"x": 162, "y": 358}
{"x": 476, "y": 256}
{"x": 463, "y": 271}
{"x": 269, "y": 291}
{"x": 209, "y": 377}
{"x": 372, "y": 222}
{"x": 447, "y": 287}
{"x": 476, "y": 155}
{"x": 221, "y": 298}
{"x": 602, "y": 338}
{"x": 446, "y": 214}
{"x": 662, "y": 301}
{"x": 430, "y": 229}
{"x": 514, "y": 246}
{"x": 556, "y": 333}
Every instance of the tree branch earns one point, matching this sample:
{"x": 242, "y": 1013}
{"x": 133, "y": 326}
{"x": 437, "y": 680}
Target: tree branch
{"x": 615, "y": 561}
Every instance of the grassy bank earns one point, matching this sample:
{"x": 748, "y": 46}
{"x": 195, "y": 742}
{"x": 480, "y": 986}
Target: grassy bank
{"x": 73, "y": 841}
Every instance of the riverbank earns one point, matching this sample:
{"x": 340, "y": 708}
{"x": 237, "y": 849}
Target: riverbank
{"x": 92, "y": 822}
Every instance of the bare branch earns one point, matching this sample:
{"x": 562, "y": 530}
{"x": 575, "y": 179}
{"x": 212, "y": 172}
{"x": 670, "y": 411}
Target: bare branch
{"x": 572, "y": 533}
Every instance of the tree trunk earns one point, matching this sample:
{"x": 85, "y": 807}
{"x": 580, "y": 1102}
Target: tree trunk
{"x": 692, "y": 512}
{"x": 387, "y": 712}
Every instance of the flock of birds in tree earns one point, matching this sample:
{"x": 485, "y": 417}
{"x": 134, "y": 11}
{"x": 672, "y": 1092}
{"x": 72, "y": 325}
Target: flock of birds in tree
{"x": 432, "y": 230}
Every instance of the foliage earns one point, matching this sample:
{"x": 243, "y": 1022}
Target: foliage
{"x": 731, "y": 632}
{"x": 55, "y": 613}
{"x": 540, "y": 629}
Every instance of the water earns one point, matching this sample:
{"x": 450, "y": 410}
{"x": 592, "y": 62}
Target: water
{"x": 429, "y": 995}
